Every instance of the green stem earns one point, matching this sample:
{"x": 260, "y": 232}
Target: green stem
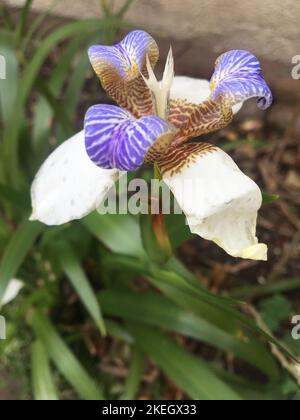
{"x": 156, "y": 172}
{"x": 158, "y": 221}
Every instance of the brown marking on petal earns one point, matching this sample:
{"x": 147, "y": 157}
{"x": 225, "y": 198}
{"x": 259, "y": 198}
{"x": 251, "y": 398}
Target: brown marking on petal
{"x": 182, "y": 156}
{"x": 159, "y": 147}
{"x": 192, "y": 120}
{"x": 131, "y": 94}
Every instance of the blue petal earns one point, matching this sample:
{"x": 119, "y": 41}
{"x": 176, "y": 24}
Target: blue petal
{"x": 238, "y": 77}
{"x": 115, "y": 139}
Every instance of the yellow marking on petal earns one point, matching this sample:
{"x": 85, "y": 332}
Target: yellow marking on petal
{"x": 128, "y": 71}
{"x": 128, "y": 89}
{"x": 213, "y": 86}
{"x": 135, "y": 69}
{"x": 258, "y": 252}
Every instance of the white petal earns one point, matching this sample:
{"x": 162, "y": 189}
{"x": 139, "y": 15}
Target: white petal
{"x": 193, "y": 90}
{"x": 12, "y": 291}
{"x": 69, "y": 185}
{"x": 220, "y": 202}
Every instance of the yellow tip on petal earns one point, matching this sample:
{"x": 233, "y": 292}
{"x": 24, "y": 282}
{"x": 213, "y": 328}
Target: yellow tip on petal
{"x": 258, "y": 252}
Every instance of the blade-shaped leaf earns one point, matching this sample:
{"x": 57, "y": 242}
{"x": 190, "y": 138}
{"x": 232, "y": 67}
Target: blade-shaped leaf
{"x": 157, "y": 311}
{"x": 17, "y": 249}
{"x": 178, "y": 229}
{"x": 134, "y": 374}
{"x": 189, "y": 372}
{"x": 64, "y": 359}
{"x": 72, "y": 268}
{"x": 218, "y": 312}
{"x": 42, "y": 380}
{"x": 118, "y": 232}
{"x": 8, "y": 85}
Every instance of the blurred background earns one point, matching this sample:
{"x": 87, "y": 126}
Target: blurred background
{"x": 91, "y": 315}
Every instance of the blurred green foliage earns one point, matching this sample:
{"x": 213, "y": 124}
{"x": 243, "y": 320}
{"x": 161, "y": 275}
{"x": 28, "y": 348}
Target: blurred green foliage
{"x": 100, "y": 256}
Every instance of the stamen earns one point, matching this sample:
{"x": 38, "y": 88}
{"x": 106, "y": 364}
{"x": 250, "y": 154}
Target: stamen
{"x": 161, "y": 89}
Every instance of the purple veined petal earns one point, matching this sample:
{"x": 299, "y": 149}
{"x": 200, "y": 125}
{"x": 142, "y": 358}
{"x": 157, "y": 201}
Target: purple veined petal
{"x": 128, "y": 57}
{"x": 115, "y": 139}
{"x": 120, "y": 68}
{"x": 238, "y": 77}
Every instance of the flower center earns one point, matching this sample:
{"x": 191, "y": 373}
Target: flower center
{"x": 160, "y": 90}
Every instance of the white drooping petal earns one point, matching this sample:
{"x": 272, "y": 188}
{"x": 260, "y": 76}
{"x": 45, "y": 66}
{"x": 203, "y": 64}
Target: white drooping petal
{"x": 12, "y": 291}
{"x": 69, "y": 185}
{"x": 193, "y": 90}
{"x": 220, "y": 202}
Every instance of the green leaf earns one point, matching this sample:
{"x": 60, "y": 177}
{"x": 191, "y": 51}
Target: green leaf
{"x": 126, "y": 5}
{"x": 178, "y": 229}
{"x": 76, "y": 84}
{"x": 118, "y": 331}
{"x": 36, "y": 24}
{"x": 194, "y": 299}
{"x": 65, "y": 361}
{"x": 157, "y": 311}
{"x": 274, "y": 310}
{"x": 182, "y": 288}
{"x": 158, "y": 248}
{"x": 73, "y": 270}
{"x": 42, "y": 380}
{"x": 9, "y": 85}
{"x": 189, "y": 372}
{"x": 269, "y": 198}
{"x": 57, "y": 107}
{"x": 43, "y": 112}
{"x": 19, "y": 199}
{"x": 268, "y": 289}
{"x": 208, "y": 306}
{"x": 134, "y": 375}
{"x": 120, "y": 233}
{"x": 16, "y": 251}
{"x": 5, "y": 16}
{"x": 22, "y": 21}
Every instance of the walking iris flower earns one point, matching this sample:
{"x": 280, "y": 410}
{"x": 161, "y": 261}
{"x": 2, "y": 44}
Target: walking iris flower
{"x": 152, "y": 124}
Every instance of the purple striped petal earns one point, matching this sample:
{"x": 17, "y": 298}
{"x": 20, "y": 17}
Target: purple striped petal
{"x": 238, "y": 77}
{"x": 126, "y": 58}
{"x": 121, "y": 68}
{"x": 115, "y": 139}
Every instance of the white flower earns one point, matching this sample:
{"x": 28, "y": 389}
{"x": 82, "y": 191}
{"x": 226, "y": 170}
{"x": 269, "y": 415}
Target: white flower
{"x": 154, "y": 122}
